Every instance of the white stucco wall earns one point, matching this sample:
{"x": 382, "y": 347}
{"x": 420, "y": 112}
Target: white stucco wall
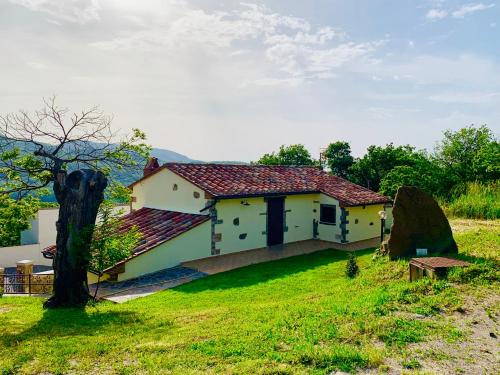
{"x": 9, "y": 256}
{"x": 368, "y": 222}
{"x": 157, "y": 191}
{"x": 390, "y": 219}
{"x": 193, "y": 244}
{"x": 43, "y": 228}
{"x": 329, "y": 232}
{"x": 299, "y": 214}
{"x": 252, "y": 222}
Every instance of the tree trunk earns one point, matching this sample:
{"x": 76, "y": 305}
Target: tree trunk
{"x": 79, "y": 196}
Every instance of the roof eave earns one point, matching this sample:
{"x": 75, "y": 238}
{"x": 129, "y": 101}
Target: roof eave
{"x": 135, "y": 255}
{"x": 264, "y": 194}
{"x": 369, "y": 203}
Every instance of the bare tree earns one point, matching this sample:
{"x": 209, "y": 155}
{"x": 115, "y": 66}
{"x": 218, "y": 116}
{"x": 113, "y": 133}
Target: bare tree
{"x": 75, "y": 153}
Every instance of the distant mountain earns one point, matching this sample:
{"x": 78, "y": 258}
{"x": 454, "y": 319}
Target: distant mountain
{"x": 168, "y": 156}
{"x": 126, "y": 177}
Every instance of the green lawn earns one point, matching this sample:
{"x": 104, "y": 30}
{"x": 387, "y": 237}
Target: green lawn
{"x": 297, "y": 315}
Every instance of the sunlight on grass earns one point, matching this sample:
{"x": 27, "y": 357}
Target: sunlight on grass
{"x": 294, "y": 315}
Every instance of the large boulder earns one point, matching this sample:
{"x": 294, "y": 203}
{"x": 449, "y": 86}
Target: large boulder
{"x": 419, "y": 223}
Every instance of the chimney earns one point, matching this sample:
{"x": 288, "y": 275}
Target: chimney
{"x": 151, "y": 166}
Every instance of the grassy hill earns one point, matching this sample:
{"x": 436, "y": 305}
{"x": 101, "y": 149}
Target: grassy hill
{"x": 297, "y": 315}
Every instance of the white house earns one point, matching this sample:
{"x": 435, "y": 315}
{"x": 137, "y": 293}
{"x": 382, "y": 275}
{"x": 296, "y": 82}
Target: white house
{"x": 193, "y": 211}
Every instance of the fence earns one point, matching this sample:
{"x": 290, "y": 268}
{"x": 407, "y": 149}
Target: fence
{"x": 26, "y": 284}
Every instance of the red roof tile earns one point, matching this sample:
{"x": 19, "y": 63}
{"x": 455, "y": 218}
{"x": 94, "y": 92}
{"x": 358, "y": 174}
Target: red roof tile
{"x": 155, "y": 226}
{"x": 226, "y": 180}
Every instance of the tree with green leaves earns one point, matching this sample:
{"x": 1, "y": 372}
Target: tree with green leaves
{"x": 423, "y": 173}
{"x": 74, "y": 153}
{"x": 110, "y": 243}
{"x": 486, "y": 163}
{"x": 338, "y": 158}
{"x": 465, "y": 154}
{"x": 288, "y": 155}
{"x": 369, "y": 170}
{"x": 15, "y": 216}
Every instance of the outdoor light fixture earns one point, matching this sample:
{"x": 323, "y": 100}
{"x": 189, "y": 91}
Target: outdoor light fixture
{"x": 383, "y": 216}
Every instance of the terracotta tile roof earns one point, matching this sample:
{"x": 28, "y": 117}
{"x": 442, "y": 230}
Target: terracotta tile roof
{"x": 156, "y": 226}
{"x": 438, "y": 262}
{"x": 226, "y": 180}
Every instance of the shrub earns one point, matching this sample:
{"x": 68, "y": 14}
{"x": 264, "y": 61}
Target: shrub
{"x": 352, "y": 268}
{"x": 476, "y": 201}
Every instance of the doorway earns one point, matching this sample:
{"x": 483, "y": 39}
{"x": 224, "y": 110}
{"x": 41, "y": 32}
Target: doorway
{"x": 275, "y": 221}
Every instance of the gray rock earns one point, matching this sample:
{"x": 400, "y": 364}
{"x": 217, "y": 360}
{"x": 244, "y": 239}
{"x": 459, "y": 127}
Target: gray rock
{"x": 419, "y": 222}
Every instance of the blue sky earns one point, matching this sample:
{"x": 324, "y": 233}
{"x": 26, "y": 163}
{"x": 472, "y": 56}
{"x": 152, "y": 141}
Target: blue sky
{"x": 231, "y": 80}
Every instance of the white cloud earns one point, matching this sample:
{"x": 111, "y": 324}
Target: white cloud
{"x": 289, "y": 43}
{"x": 467, "y": 97}
{"x": 76, "y": 11}
{"x": 470, "y": 8}
{"x": 436, "y": 14}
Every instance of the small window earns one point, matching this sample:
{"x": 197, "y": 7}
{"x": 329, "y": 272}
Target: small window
{"x": 196, "y": 194}
{"x": 327, "y": 214}
{"x": 236, "y": 221}
{"x": 175, "y": 187}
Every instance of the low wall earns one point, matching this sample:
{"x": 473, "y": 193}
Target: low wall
{"x": 9, "y": 256}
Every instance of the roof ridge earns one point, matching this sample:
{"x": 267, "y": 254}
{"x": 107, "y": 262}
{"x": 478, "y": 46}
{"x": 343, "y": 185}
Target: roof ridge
{"x": 242, "y": 165}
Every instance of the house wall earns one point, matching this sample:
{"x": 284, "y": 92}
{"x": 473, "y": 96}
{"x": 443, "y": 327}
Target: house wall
{"x": 299, "y": 215}
{"x": 9, "y": 256}
{"x": 193, "y": 244}
{"x": 252, "y": 222}
{"x": 92, "y": 278}
{"x": 329, "y": 232}
{"x": 390, "y": 219}
{"x": 157, "y": 191}
{"x": 368, "y": 222}
{"x": 42, "y": 228}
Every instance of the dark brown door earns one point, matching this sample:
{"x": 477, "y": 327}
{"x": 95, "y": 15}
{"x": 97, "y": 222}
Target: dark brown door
{"x": 275, "y": 213}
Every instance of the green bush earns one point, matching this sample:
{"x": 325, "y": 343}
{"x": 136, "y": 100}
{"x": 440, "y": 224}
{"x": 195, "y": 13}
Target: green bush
{"x": 351, "y": 269}
{"x": 476, "y": 201}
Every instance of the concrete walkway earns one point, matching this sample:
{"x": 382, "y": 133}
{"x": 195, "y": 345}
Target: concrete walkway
{"x": 146, "y": 285}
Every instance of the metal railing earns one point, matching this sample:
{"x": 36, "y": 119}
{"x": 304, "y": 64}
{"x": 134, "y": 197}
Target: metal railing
{"x": 26, "y": 284}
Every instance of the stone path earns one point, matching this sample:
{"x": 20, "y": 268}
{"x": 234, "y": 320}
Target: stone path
{"x": 145, "y": 285}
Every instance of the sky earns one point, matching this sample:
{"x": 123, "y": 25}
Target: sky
{"x": 231, "y": 80}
